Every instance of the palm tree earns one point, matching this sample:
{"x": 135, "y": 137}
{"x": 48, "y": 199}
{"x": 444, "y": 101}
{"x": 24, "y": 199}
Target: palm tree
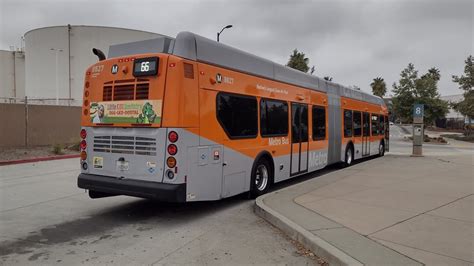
{"x": 379, "y": 87}
{"x": 298, "y": 61}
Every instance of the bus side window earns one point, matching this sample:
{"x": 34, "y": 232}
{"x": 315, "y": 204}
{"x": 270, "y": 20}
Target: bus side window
{"x": 374, "y": 125}
{"x": 237, "y": 115}
{"x": 319, "y": 123}
{"x": 381, "y": 125}
{"x": 357, "y": 124}
{"x": 273, "y": 118}
{"x": 347, "y": 123}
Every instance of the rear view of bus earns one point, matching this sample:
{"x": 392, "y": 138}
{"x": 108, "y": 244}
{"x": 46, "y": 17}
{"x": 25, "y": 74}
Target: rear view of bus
{"x": 132, "y": 142}
{"x": 189, "y": 119}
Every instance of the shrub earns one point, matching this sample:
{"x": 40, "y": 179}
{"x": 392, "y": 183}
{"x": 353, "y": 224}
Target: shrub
{"x": 58, "y": 149}
{"x": 76, "y": 146}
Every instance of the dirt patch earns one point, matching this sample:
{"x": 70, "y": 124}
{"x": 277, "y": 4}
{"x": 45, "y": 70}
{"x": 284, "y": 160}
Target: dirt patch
{"x": 459, "y": 137}
{"x": 9, "y": 154}
{"x": 432, "y": 140}
{"x": 437, "y": 129}
{"x": 300, "y": 249}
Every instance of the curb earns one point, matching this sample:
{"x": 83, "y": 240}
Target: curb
{"x": 318, "y": 246}
{"x": 39, "y": 159}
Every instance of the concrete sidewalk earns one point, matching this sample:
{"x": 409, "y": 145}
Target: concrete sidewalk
{"x": 396, "y": 210}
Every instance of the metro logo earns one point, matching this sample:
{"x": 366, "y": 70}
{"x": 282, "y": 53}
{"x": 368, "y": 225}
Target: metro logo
{"x": 317, "y": 159}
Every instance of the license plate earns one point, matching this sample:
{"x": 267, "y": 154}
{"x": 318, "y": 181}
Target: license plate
{"x": 122, "y": 165}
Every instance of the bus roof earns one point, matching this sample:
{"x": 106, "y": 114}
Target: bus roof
{"x": 194, "y": 47}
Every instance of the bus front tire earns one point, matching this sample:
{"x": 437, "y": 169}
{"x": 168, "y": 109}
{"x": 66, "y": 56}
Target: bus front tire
{"x": 381, "y": 149}
{"x": 261, "y": 178}
{"x": 349, "y": 156}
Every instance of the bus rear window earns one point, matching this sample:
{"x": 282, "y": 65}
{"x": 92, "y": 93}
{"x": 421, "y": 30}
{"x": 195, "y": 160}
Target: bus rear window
{"x": 237, "y": 115}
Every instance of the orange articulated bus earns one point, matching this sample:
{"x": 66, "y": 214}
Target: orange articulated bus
{"x": 189, "y": 119}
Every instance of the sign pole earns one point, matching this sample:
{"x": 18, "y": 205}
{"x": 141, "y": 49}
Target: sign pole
{"x": 418, "y": 130}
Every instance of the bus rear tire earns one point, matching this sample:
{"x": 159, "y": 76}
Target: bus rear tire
{"x": 261, "y": 178}
{"x": 349, "y": 156}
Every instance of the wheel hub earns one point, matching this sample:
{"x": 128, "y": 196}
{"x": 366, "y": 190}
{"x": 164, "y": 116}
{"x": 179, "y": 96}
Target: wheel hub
{"x": 261, "y": 177}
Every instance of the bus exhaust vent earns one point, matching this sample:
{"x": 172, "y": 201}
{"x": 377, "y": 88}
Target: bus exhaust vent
{"x": 126, "y": 90}
{"x": 125, "y": 145}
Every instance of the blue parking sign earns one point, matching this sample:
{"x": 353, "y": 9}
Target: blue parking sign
{"x": 418, "y": 110}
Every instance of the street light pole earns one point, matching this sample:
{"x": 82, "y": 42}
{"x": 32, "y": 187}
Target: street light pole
{"x": 57, "y": 50}
{"x": 219, "y": 33}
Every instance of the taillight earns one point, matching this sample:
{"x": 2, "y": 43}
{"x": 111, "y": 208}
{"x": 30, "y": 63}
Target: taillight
{"x": 173, "y": 136}
{"x": 83, "y": 134}
{"x": 172, "y": 149}
{"x": 171, "y": 162}
{"x": 83, "y": 155}
{"x": 83, "y": 144}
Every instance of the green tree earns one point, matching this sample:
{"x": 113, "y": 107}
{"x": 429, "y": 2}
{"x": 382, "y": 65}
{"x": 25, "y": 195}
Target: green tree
{"x": 466, "y": 83}
{"x": 299, "y": 61}
{"x": 379, "y": 87}
{"x": 427, "y": 93}
{"x": 403, "y": 99}
{"x": 412, "y": 89}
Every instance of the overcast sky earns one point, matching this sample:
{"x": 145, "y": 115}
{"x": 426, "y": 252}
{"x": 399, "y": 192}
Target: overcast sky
{"x": 351, "y": 41}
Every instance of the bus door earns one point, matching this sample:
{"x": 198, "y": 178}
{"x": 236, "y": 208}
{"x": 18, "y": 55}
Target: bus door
{"x": 387, "y": 133}
{"x": 299, "y": 139}
{"x": 365, "y": 134}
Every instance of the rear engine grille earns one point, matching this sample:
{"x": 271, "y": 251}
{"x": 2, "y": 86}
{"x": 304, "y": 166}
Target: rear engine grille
{"x": 125, "y": 145}
{"x": 107, "y": 94}
{"x": 125, "y": 90}
{"x": 142, "y": 92}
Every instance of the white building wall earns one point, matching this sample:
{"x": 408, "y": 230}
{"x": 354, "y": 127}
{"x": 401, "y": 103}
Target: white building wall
{"x": 6, "y": 74}
{"x": 41, "y": 60}
{"x": 12, "y": 75}
{"x": 41, "y": 63}
{"x": 19, "y": 91}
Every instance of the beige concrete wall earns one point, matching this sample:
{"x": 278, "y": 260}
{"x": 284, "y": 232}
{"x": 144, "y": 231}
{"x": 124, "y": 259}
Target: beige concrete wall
{"x": 12, "y": 125}
{"x": 47, "y": 125}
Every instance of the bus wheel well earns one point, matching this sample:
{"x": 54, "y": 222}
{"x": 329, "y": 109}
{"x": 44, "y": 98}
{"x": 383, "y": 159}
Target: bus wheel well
{"x": 350, "y": 144}
{"x": 348, "y": 157}
{"x": 266, "y": 156}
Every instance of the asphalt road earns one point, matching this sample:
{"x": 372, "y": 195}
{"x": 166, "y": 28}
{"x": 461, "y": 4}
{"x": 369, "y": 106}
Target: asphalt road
{"x": 46, "y": 219}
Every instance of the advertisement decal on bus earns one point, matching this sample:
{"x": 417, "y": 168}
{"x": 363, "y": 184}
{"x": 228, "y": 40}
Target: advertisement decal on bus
{"x": 137, "y": 112}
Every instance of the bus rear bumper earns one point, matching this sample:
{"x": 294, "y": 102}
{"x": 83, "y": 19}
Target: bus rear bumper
{"x": 135, "y": 188}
